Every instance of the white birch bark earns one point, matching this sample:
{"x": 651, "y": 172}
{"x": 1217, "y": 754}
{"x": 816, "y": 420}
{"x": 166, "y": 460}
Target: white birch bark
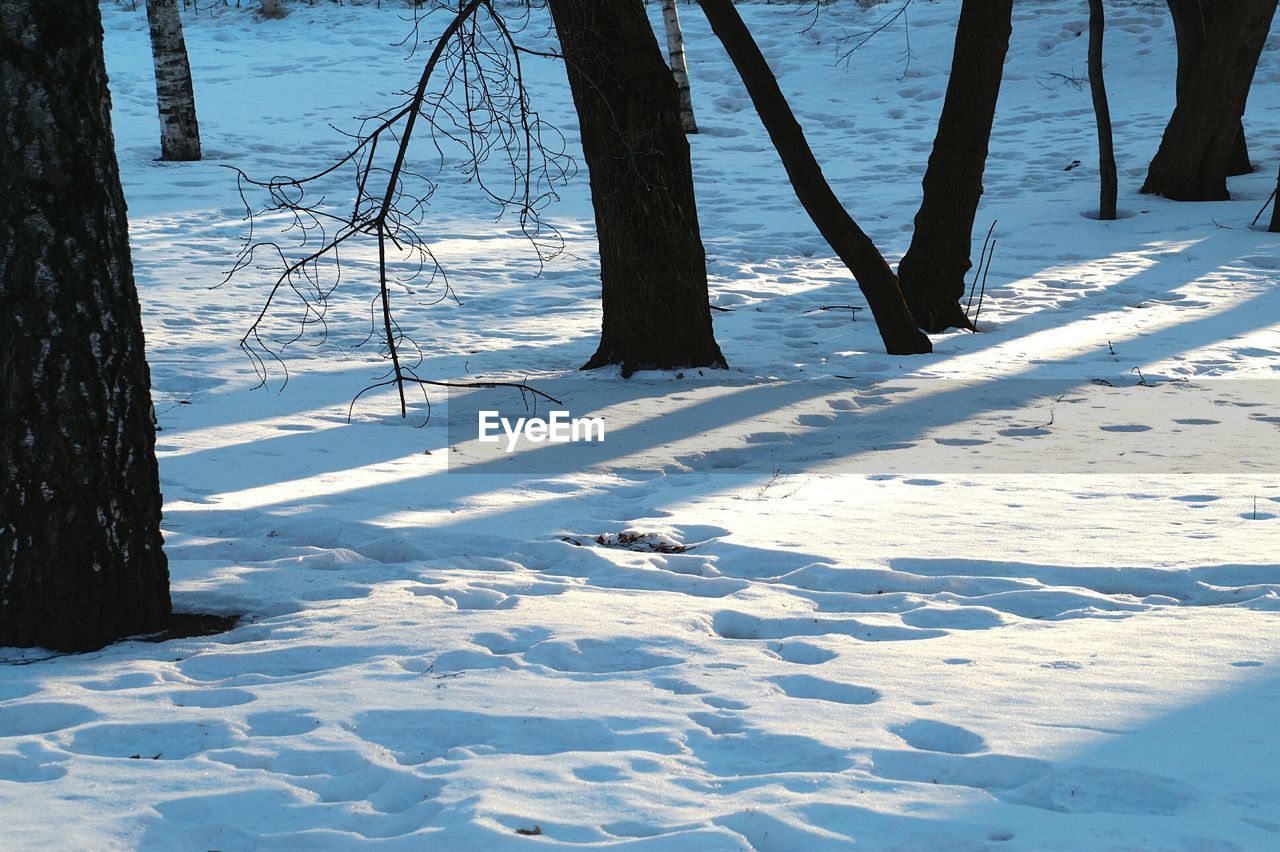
{"x": 679, "y": 70}
{"x": 175, "y": 98}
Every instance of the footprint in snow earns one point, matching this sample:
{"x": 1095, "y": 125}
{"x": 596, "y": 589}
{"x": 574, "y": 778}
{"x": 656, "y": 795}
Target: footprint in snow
{"x": 928, "y": 735}
{"x": 596, "y": 656}
{"x": 599, "y": 773}
{"x": 34, "y": 762}
{"x": 718, "y": 723}
{"x": 280, "y": 723}
{"x": 42, "y": 717}
{"x": 801, "y": 653}
{"x": 157, "y": 740}
{"x": 471, "y": 598}
{"x": 462, "y": 660}
{"x": 133, "y": 680}
{"x": 1104, "y": 789}
{"x": 677, "y": 686}
{"x": 211, "y": 698}
{"x": 514, "y": 641}
{"x": 820, "y": 689}
{"x": 729, "y": 624}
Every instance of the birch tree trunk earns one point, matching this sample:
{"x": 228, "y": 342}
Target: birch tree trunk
{"x": 81, "y": 562}
{"x": 175, "y": 97}
{"x": 679, "y": 68}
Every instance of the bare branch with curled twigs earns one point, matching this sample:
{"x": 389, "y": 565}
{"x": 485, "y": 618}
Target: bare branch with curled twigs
{"x": 472, "y": 101}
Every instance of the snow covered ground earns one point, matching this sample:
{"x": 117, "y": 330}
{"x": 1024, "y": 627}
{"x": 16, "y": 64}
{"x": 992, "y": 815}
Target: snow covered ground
{"x": 803, "y": 649}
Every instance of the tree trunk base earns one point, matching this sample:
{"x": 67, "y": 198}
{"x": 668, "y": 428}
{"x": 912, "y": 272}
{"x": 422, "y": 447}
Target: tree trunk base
{"x": 631, "y": 363}
{"x": 937, "y": 317}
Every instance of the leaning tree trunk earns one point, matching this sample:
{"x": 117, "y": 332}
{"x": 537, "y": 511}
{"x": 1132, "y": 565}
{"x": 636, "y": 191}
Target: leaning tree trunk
{"x": 1190, "y": 18}
{"x": 1102, "y": 114}
{"x": 653, "y": 269}
{"x": 80, "y": 548}
{"x": 933, "y": 269}
{"x": 179, "y": 130}
{"x": 1195, "y": 155}
{"x": 679, "y": 68}
{"x": 875, "y": 278}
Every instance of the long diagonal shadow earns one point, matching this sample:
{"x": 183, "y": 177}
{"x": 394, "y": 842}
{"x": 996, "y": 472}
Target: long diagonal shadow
{"x": 904, "y": 421}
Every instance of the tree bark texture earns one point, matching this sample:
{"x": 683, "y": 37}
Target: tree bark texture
{"x": 1102, "y": 114}
{"x": 175, "y": 97}
{"x": 933, "y": 269}
{"x": 652, "y": 265}
{"x": 876, "y": 280}
{"x": 1190, "y": 18}
{"x": 1195, "y": 154}
{"x": 679, "y": 68}
{"x": 81, "y": 562}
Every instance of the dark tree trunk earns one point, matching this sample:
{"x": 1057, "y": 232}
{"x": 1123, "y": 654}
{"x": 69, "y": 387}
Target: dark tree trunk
{"x": 875, "y": 278}
{"x": 1239, "y": 162}
{"x": 1188, "y": 29}
{"x": 1189, "y": 21}
{"x": 933, "y": 269}
{"x": 653, "y": 269}
{"x": 80, "y": 547}
{"x": 1102, "y": 113}
{"x": 1195, "y": 155}
{"x": 175, "y": 97}
{"x": 1274, "y": 227}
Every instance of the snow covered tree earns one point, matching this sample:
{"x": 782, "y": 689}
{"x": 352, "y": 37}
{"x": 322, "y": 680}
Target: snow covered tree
{"x": 679, "y": 68}
{"x": 1102, "y": 114}
{"x": 933, "y": 269}
{"x": 878, "y": 284}
{"x": 80, "y": 546}
{"x": 652, "y": 263}
{"x": 175, "y": 97}
{"x": 1196, "y": 152}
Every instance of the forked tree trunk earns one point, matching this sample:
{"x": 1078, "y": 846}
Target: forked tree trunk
{"x": 1195, "y": 154}
{"x": 653, "y": 268}
{"x": 1102, "y": 114}
{"x": 679, "y": 68}
{"x": 1189, "y": 21}
{"x": 933, "y": 269}
{"x": 80, "y": 548}
{"x": 875, "y": 278}
{"x": 179, "y": 130}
